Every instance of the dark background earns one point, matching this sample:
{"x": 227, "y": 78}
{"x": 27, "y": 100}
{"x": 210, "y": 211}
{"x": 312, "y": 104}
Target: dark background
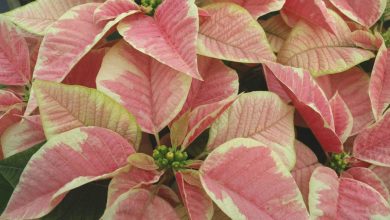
{"x": 6, "y": 5}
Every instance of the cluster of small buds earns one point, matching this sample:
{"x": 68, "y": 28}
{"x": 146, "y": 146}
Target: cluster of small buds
{"x": 339, "y": 162}
{"x": 150, "y": 5}
{"x": 169, "y": 157}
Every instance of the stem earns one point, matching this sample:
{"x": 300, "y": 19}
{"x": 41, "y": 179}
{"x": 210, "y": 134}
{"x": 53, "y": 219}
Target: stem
{"x": 201, "y": 155}
{"x": 157, "y": 137}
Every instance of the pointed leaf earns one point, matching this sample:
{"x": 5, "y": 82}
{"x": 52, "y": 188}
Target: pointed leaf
{"x": 379, "y": 89}
{"x": 365, "y": 12}
{"x": 352, "y": 86}
{"x": 331, "y": 198}
{"x": 369, "y": 177}
{"x": 140, "y": 204}
{"x": 257, "y": 8}
{"x": 311, "y": 103}
{"x": 8, "y": 99}
{"x": 277, "y": 31}
{"x": 373, "y": 144}
{"x": 71, "y": 43}
{"x": 22, "y": 135}
{"x": 383, "y": 173}
{"x": 199, "y": 205}
{"x": 10, "y": 117}
{"x": 240, "y": 200}
{"x": 111, "y": 9}
{"x": 328, "y": 54}
{"x": 366, "y": 40}
{"x": 222, "y": 38}
{"x": 65, "y": 107}
{"x": 342, "y": 116}
{"x": 152, "y": 91}
{"x": 304, "y": 167}
{"x": 65, "y": 162}
{"x": 262, "y": 116}
{"x": 14, "y": 56}
{"x": 173, "y": 45}
{"x": 130, "y": 178}
{"x": 313, "y": 12}
{"x": 37, "y": 16}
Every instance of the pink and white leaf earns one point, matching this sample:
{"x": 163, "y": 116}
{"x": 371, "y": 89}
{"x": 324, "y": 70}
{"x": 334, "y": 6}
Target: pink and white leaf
{"x": 372, "y": 145}
{"x": 64, "y": 107}
{"x": 257, "y": 8}
{"x": 313, "y": 12}
{"x": 383, "y": 173}
{"x": 364, "y": 12}
{"x": 379, "y": 89}
{"x": 222, "y": 38}
{"x": 152, "y": 91}
{"x": 311, "y": 103}
{"x": 352, "y": 86}
{"x": 344, "y": 198}
{"x": 277, "y": 31}
{"x": 41, "y": 14}
{"x": 111, "y": 9}
{"x": 140, "y": 204}
{"x": 7, "y": 99}
{"x": 129, "y": 178}
{"x": 20, "y": 136}
{"x": 342, "y": 116}
{"x": 67, "y": 161}
{"x": 369, "y": 177}
{"x": 274, "y": 86}
{"x": 304, "y": 167}
{"x": 366, "y": 39}
{"x": 173, "y": 45}
{"x": 198, "y": 204}
{"x": 14, "y": 55}
{"x": 328, "y": 54}
{"x": 240, "y": 200}
{"x": 62, "y": 38}
{"x": 219, "y": 83}
{"x": 261, "y": 116}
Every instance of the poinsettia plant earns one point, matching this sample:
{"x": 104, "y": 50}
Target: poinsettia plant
{"x": 184, "y": 109}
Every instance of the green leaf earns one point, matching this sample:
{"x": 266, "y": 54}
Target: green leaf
{"x": 85, "y": 203}
{"x": 10, "y": 170}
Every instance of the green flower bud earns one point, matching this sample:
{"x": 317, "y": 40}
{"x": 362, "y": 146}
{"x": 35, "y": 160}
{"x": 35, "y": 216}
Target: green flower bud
{"x": 176, "y": 165}
{"x": 170, "y": 156}
{"x": 156, "y": 154}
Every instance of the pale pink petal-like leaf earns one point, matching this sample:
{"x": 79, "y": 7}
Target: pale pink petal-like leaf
{"x": 383, "y": 173}
{"x": 140, "y": 204}
{"x": 190, "y": 125}
{"x": 344, "y": 198}
{"x": 352, "y": 86}
{"x": 241, "y": 200}
{"x": 152, "y": 91}
{"x": 373, "y": 144}
{"x": 86, "y": 70}
{"x": 64, "y": 107}
{"x": 369, "y": 177}
{"x": 219, "y": 83}
{"x": 22, "y": 135}
{"x": 65, "y": 162}
{"x": 311, "y": 103}
{"x": 257, "y": 8}
{"x": 274, "y": 86}
{"x": 199, "y": 205}
{"x": 169, "y": 195}
{"x": 111, "y": 9}
{"x": 262, "y": 116}
{"x": 14, "y": 56}
{"x": 7, "y": 99}
{"x": 223, "y": 38}
{"x": 277, "y": 31}
{"x": 173, "y": 45}
{"x": 10, "y": 116}
{"x": 130, "y": 178}
{"x": 342, "y": 116}
{"x": 305, "y": 165}
{"x": 321, "y": 52}
{"x": 313, "y": 12}
{"x": 63, "y": 38}
{"x": 366, "y": 40}
{"x": 37, "y": 16}
{"x": 364, "y": 12}
{"x": 379, "y": 89}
